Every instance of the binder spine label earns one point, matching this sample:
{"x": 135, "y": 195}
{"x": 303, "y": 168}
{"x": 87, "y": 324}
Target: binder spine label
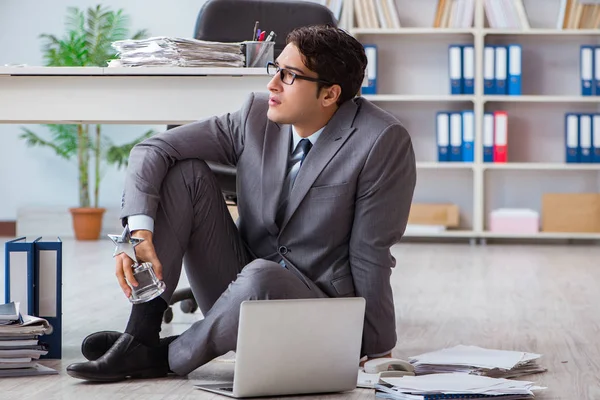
{"x": 572, "y": 138}
{"x": 586, "y": 70}
{"x": 489, "y": 85}
{"x": 469, "y": 69}
{"x": 369, "y": 85}
{"x": 455, "y": 69}
{"x": 514, "y": 70}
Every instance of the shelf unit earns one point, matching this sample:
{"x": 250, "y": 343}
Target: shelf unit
{"x": 543, "y": 166}
{"x": 445, "y": 165}
{"x": 544, "y": 32}
{"x": 413, "y": 84}
{"x": 378, "y": 98}
{"x": 411, "y": 31}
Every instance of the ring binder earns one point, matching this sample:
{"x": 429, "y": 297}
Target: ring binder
{"x": 48, "y": 291}
{"x": 19, "y": 261}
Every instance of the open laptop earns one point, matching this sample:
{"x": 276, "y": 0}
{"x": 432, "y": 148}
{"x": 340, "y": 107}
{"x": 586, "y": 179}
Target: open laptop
{"x": 290, "y": 347}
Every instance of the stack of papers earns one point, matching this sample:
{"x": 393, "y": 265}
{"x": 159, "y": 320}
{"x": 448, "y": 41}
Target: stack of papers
{"x": 177, "y": 52}
{"x": 9, "y": 313}
{"x": 478, "y": 361}
{"x": 20, "y": 347}
{"x": 454, "y": 385}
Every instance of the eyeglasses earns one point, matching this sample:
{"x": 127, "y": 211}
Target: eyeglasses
{"x": 288, "y": 77}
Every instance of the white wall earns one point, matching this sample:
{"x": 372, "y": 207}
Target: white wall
{"x": 36, "y": 176}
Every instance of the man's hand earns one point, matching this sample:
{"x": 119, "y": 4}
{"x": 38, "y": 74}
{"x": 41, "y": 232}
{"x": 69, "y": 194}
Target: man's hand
{"x": 362, "y": 363}
{"x": 145, "y": 253}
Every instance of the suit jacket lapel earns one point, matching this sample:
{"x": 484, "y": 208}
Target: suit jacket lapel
{"x": 274, "y": 161}
{"x": 336, "y": 133}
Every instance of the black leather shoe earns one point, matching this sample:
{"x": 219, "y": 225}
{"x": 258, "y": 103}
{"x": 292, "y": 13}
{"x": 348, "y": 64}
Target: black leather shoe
{"x": 127, "y": 358}
{"x": 96, "y": 344}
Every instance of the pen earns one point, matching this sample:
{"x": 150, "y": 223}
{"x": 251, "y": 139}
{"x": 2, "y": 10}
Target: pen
{"x": 255, "y": 30}
{"x": 262, "y": 36}
{"x": 258, "y": 31}
{"x": 271, "y": 36}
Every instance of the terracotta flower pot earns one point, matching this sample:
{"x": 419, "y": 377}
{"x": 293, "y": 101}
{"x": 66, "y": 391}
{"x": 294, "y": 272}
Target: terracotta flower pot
{"x": 87, "y": 222}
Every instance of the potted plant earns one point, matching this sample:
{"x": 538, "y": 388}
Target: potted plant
{"x": 87, "y": 43}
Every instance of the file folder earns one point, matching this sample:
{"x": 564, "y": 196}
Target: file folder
{"x": 585, "y": 138}
{"x": 501, "y": 65}
{"x": 369, "y": 85}
{"x": 468, "y": 69}
{"x": 596, "y": 137}
{"x": 456, "y": 137}
{"x": 468, "y": 127}
{"x": 19, "y": 262}
{"x": 514, "y": 70}
{"x": 455, "y": 69}
{"x": 48, "y": 292}
{"x": 597, "y": 71}
{"x": 500, "y": 136}
{"x": 489, "y": 66}
{"x": 443, "y": 135}
{"x": 586, "y": 70}
{"x": 572, "y": 137}
{"x": 488, "y": 137}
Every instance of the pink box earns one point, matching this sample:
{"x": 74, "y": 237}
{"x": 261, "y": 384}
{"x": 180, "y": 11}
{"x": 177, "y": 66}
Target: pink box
{"x": 514, "y": 220}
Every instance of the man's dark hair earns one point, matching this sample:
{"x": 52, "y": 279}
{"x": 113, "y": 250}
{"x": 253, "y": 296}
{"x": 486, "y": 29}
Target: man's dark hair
{"x": 334, "y": 55}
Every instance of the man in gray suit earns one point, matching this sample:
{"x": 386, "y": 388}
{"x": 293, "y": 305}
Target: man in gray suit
{"x": 325, "y": 183}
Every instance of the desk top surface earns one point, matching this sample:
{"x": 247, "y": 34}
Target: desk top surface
{"x": 128, "y": 71}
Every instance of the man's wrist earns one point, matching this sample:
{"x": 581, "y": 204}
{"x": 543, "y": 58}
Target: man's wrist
{"x": 142, "y": 233}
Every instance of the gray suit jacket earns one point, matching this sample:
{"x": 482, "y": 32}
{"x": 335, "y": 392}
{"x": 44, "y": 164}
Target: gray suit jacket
{"x": 348, "y": 206}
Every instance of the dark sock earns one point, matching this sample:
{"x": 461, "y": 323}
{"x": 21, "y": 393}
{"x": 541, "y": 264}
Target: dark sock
{"x": 145, "y": 321}
{"x": 164, "y": 349}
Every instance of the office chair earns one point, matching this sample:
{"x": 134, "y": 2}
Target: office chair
{"x": 233, "y": 21}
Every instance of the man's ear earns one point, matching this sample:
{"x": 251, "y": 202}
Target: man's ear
{"x": 331, "y": 95}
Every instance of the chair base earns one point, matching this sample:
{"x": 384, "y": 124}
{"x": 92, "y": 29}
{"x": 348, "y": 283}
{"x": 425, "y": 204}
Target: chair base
{"x": 188, "y": 303}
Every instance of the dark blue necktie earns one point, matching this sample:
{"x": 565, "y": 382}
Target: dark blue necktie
{"x": 293, "y": 167}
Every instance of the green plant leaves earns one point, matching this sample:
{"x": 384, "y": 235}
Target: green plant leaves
{"x": 89, "y": 36}
{"x": 118, "y": 154}
{"x": 63, "y": 142}
{"x": 87, "y": 42}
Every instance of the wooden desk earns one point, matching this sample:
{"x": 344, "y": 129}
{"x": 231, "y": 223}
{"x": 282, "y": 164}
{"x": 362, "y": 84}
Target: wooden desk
{"x": 142, "y": 95}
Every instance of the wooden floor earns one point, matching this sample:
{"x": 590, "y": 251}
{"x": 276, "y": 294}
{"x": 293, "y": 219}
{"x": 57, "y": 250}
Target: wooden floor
{"x": 537, "y": 298}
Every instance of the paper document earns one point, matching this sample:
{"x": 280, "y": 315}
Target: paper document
{"x": 455, "y": 384}
{"x": 20, "y": 347}
{"x": 477, "y": 360}
{"x": 9, "y": 312}
{"x": 177, "y": 52}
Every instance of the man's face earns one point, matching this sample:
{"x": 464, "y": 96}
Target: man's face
{"x": 296, "y": 103}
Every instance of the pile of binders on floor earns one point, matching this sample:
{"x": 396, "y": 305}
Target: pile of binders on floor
{"x": 466, "y": 372}
{"x": 20, "y": 346}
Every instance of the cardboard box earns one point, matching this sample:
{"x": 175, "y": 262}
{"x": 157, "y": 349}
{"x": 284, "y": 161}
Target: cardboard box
{"x": 514, "y": 220}
{"x": 434, "y": 214}
{"x": 571, "y": 212}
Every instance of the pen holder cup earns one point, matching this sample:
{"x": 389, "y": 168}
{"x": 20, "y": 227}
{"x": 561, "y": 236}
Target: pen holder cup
{"x": 258, "y": 54}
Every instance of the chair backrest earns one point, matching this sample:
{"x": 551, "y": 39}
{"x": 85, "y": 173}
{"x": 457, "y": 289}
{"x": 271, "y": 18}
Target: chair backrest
{"x": 233, "y": 20}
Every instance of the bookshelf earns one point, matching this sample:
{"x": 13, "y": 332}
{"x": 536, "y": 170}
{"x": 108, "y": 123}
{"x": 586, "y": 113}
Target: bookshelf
{"x": 541, "y": 99}
{"x": 417, "y": 98}
{"x": 411, "y": 31}
{"x": 543, "y": 32}
{"x": 413, "y": 84}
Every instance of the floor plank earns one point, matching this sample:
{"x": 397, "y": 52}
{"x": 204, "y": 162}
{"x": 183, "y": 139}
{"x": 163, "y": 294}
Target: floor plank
{"x": 538, "y": 298}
